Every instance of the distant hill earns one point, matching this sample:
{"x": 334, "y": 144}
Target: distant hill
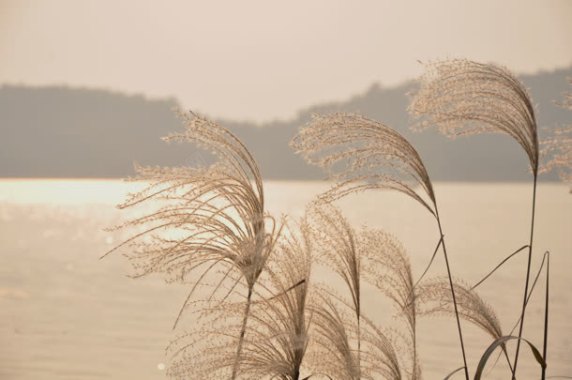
{"x": 76, "y": 132}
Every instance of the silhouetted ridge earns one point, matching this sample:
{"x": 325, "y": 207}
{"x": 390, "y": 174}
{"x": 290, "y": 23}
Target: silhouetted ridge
{"x": 76, "y": 132}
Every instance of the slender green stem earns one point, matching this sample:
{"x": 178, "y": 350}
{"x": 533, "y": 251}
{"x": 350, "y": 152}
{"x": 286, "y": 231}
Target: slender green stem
{"x": 357, "y": 304}
{"x": 242, "y": 333}
{"x": 430, "y": 262}
{"x": 506, "y": 356}
{"x": 453, "y": 294}
{"x": 524, "y": 302}
{"x": 544, "y": 346}
{"x": 359, "y": 346}
{"x": 499, "y": 265}
{"x": 414, "y": 371}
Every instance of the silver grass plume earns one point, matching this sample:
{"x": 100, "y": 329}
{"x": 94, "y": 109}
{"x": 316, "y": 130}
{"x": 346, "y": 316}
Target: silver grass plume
{"x": 207, "y": 217}
{"x": 206, "y": 214}
{"x": 434, "y": 297}
{"x": 208, "y": 351}
{"x": 337, "y": 246}
{"x": 335, "y": 332}
{"x": 380, "y": 359}
{"x": 386, "y": 265}
{"x": 361, "y": 154}
{"x": 280, "y": 321}
{"x": 462, "y": 97}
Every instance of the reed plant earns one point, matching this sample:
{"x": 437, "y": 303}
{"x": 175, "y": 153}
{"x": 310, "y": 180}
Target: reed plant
{"x": 462, "y": 97}
{"x": 259, "y": 310}
{"x": 363, "y": 154}
{"x": 356, "y": 256}
{"x": 207, "y": 220}
{"x": 281, "y": 319}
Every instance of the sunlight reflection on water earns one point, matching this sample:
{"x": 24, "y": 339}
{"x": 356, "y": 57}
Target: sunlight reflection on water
{"x": 65, "y": 314}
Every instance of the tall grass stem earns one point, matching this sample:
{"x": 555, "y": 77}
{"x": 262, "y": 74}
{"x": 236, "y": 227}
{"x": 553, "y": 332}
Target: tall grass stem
{"x": 242, "y": 333}
{"x": 524, "y": 302}
{"x": 546, "y": 298}
{"x": 453, "y": 294}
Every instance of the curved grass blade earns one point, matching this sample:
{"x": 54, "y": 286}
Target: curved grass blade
{"x": 546, "y": 298}
{"x": 531, "y": 289}
{"x": 498, "y": 343}
{"x": 430, "y": 263}
{"x": 499, "y": 265}
{"x": 452, "y": 373}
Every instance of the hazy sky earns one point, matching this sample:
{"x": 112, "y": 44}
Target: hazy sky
{"x": 266, "y": 59}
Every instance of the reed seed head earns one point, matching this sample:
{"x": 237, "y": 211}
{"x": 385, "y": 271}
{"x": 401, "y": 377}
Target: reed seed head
{"x": 462, "y": 97}
{"x": 361, "y": 154}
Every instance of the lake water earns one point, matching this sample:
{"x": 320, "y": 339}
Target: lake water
{"x": 65, "y": 314}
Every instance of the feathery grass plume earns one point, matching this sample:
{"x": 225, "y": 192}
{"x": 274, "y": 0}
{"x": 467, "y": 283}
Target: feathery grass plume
{"x": 434, "y": 297}
{"x": 462, "y": 97}
{"x": 361, "y": 154}
{"x": 208, "y": 351}
{"x": 386, "y": 265}
{"x": 207, "y": 217}
{"x": 334, "y": 332}
{"x": 380, "y": 356}
{"x": 279, "y": 335}
{"x": 341, "y": 248}
{"x": 337, "y": 247}
{"x": 364, "y": 154}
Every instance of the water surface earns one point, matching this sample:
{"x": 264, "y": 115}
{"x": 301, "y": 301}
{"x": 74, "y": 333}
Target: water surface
{"x": 65, "y": 314}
